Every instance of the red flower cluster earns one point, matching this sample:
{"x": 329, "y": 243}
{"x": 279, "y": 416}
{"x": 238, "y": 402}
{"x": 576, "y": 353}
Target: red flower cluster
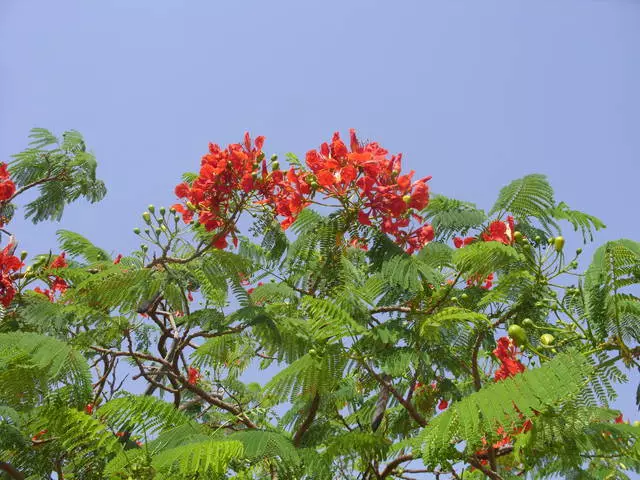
{"x": 7, "y": 187}
{"x": 485, "y": 283}
{"x": 366, "y": 178}
{"x": 361, "y": 178}
{"x": 193, "y": 375}
{"x": 498, "y": 231}
{"x": 57, "y": 284}
{"x": 506, "y": 352}
{"x": 88, "y": 409}
{"x": 286, "y": 193}
{"x": 226, "y": 177}
{"x": 9, "y": 263}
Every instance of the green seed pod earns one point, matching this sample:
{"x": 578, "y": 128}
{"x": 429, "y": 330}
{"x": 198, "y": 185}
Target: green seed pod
{"x": 547, "y": 339}
{"x": 517, "y": 334}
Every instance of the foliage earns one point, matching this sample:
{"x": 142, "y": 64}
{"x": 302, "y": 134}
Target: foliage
{"x": 394, "y": 332}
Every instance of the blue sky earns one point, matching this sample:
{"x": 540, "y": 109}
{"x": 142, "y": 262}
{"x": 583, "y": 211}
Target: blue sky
{"x": 475, "y": 93}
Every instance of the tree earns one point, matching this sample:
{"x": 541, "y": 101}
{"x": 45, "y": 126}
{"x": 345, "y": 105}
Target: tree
{"x": 413, "y": 333}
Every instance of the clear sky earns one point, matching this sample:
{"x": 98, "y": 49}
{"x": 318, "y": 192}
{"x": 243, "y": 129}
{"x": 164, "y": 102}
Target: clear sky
{"x": 475, "y": 93}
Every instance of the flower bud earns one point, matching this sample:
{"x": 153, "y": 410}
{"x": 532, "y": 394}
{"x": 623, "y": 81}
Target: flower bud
{"x": 146, "y": 216}
{"x": 517, "y": 334}
{"x": 162, "y": 210}
{"x": 136, "y": 231}
{"x": 23, "y": 255}
{"x": 158, "y": 231}
{"x": 578, "y": 251}
{"x": 406, "y": 199}
{"x": 151, "y": 208}
{"x": 517, "y": 236}
{"x": 144, "y": 247}
{"x": 547, "y": 339}
{"x": 558, "y": 243}
{"x": 528, "y": 323}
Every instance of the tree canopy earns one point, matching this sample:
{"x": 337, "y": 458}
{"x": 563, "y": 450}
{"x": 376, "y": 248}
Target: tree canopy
{"x": 402, "y": 333}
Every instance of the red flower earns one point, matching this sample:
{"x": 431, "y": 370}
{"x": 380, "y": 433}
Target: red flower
{"x": 59, "y": 261}
{"x": 460, "y": 242}
{"x": 117, "y": 259}
{"x": 7, "y": 187}
{"x": 9, "y": 263}
{"x": 619, "y": 419}
{"x": 499, "y": 231}
{"x": 193, "y": 375}
{"x": 38, "y": 436}
{"x": 443, "y": 404}
{"x": 89, "y": 409}
{"x": 506, "y": 352}
{"x": 47, "y": 293}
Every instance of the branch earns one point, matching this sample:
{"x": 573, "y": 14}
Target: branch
{"x": 11, "y": 471}
{"x": 487, "y": 471}
{"x": 477, "y": 383}
{"x": 311, "y": 415}
{"x": 391, "y": 466}
{"x": 408, "y": 405}
{"x": 33, "y": 184}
